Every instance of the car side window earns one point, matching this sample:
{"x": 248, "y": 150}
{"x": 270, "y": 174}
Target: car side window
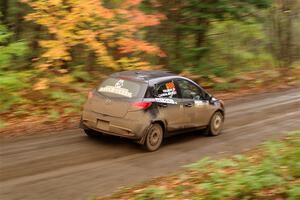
{"x": 189, "y": 90}
{"x": 166, "y": 90}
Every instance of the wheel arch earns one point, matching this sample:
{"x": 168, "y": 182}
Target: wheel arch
{"x": 208, "y": 129}
{"x": 221, "y": 111}
{"x": 162, "y": 124}
{"x": 157, "y": 121}
{"x": 217, "y": 110}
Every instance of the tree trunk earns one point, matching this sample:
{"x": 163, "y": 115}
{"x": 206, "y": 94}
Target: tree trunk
{"x": 4, "y": 11}
{"x": 200, "y": 36}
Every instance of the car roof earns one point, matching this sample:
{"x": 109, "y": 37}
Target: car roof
{"x": 151, "y": 77}
{"x": 143, "y": 75}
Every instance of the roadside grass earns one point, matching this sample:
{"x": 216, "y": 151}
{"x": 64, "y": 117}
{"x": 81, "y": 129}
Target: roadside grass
{"x": 25, "y": 95}
{"x": 270, "y": 172}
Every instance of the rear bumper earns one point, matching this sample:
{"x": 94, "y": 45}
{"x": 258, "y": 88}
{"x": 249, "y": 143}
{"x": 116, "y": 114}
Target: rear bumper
{"x": 123, "y": 127}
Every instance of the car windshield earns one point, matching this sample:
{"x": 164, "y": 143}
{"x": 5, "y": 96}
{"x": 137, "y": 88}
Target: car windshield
{"x": 114, "y": 87}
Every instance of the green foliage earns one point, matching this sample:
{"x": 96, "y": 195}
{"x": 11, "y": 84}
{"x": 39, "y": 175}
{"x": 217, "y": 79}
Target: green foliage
{"x": 59, "y": 95}
{"x": 18, "y": 90}
{"x": 225, "y": 86}
{"x": 12, "y": 86}
{"x": 11, "y": 83}
{"x": 254, "y": 176}
{"x": 219, "y": 39}
{"x": 2, "y": 124}
{"x": 237, "y": 46}
{"x": 185, "y": 34}
{"x": 201, "y": 164}
{"x": 267, "y": 173}
{"x": 92, "y": 198}
{"x": 294, "y": 191}
{"x": 65, "y": 97}
{"x": 80, "y": 74}
{"x": 152, "y": 193}
{"x": 9, "y": 50}
{"x": 53, "y": 115}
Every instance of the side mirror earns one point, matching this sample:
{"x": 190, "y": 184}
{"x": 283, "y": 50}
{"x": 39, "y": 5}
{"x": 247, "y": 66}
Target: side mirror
{"x": 211, "y": 99}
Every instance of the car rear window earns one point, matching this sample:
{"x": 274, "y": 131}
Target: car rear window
{"x": 114, "y": 87}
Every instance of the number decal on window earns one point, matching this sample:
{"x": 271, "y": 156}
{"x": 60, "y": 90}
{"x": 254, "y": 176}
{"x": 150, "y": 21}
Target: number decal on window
{"x": 168, "y": 90}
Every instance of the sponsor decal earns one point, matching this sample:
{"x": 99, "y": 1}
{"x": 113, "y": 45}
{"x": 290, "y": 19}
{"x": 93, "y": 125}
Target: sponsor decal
{"x": 165, "y": 100}
{"x": 199, "y": 103}
{"x": 119, "y": 83}
{"x": 116, "y": 90}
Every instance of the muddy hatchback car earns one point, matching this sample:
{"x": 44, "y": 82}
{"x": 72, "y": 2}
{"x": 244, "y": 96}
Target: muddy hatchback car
{"x": 148, "y": 106}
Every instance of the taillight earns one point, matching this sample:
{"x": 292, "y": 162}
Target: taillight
{"x": 142, "y": 105}
{"x": 90, "y": 95}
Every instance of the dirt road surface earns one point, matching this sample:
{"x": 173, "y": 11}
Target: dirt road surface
{"x": 69, "y": 165}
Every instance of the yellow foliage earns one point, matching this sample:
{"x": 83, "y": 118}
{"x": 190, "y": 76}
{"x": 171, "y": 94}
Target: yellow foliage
{"x": 43, "y": 66}
{"x": 90, "y": 23}
{"x": 41, "y": 84}
{"x": 65, "y": 79}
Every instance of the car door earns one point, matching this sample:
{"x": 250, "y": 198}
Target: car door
{"x": 169, "y": 105}
{"x": 196, "y": 106}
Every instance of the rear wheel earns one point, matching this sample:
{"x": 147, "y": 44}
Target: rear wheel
{"x": 216, "y": 124}
{"x": 91, "y": 133}
{"x": 154, "y": 137}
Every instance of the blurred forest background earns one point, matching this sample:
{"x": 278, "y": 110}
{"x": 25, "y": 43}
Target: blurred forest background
{"x": 53, "y": 51}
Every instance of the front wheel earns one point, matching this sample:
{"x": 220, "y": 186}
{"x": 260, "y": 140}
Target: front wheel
{"x": 154, "y": 137}
{"x": 216, "y": 124}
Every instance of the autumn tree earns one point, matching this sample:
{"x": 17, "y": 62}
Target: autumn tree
{"x": 183, "y": 35}
{"x": 284, "y": 18}
{"x": 111, "y": 30}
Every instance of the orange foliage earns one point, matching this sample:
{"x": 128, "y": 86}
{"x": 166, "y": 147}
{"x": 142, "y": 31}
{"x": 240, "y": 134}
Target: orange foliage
{"x": 129, "y": 45}
{"x": 110, "y": 32}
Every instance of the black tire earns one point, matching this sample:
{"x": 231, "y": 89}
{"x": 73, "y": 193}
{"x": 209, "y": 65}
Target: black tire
{"x": 91, "y": 133}
{"x": 216, "y": 124}
{"x": 154, "y": 137}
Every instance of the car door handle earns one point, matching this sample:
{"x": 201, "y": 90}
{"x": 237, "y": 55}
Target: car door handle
{"x": 188, "y": 105}
{"x": 163, "y": 105}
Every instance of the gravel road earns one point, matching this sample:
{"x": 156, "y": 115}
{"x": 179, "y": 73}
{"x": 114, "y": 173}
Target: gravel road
{"x": 69, "y": 165}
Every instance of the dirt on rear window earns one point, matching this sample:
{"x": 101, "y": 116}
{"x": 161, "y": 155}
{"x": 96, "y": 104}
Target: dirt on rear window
{"x": 114, "y": 87}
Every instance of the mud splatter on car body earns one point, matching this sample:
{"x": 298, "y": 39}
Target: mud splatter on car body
{"x": 136, "y": 104}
